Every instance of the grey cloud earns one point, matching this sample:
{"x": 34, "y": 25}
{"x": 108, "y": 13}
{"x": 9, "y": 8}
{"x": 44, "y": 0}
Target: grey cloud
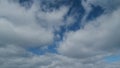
{"x": 52, "y": 20}
{"x": 20, "y": 26}
{"x": 12, "y": 56}
{"x": 98, "y": 37}
{"x": 108, "y": 5}
{"x": 12, "y": 34}
{"x": 85, "y": 48}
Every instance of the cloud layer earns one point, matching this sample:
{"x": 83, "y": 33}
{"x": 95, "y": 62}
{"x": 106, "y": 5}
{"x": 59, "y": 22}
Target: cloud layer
{"x": 25, "y": 25}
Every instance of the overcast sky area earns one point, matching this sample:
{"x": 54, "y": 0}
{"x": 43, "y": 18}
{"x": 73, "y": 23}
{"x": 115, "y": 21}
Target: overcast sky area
{"x": 59, "y": 33}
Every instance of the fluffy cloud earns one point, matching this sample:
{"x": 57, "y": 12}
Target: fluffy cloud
{"x": 21, "y": 35}
{"x": 52, "y": 19}
{"x": 12, "y": 56}
{"x": 98, "y": 37}
{"x": 22, "y": 28}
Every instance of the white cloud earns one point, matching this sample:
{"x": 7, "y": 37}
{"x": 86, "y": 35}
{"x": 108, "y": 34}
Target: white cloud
{"x": 20, "y": 26}
{"x": 16, "y": 57}
{"x": 84, "y": 48}
{"x": 52, "y": 19}
{"x": 98, "y": 37}
{"x": 23, "y": 35}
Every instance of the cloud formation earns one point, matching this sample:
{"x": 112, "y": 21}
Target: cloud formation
{"x": 28, "y": 27}
{"x": 25, "y": 25}
{"x": 99, "y": 36}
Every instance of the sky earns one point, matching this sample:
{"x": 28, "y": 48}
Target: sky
{"x": 59, "y": 34}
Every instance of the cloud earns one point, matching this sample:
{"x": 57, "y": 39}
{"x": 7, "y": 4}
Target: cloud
{"x": 12, "y": 56}
{"x": 52, "y": 19}
{"x": 98, "y": 37}
{"x": 22, "y": 26}
{"x": 109, "y": 5}
{"x": 21, "y": 35}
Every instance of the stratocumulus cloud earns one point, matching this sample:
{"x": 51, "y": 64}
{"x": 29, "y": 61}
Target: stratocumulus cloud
{"x": 61, "y": 31}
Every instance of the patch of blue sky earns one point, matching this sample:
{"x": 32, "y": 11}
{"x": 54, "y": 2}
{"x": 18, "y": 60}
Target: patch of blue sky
{"x": 96, "y": 12}
{"x": 26, "y": 3}
{"x": 113, "y": 58}
{"x": 36, "y": 51}
{"x": 42, "y": 51}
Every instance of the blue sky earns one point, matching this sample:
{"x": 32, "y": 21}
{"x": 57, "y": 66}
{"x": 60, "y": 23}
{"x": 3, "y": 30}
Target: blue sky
{"x": 112, "y": 59}
{"x": 59, "y": 33}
